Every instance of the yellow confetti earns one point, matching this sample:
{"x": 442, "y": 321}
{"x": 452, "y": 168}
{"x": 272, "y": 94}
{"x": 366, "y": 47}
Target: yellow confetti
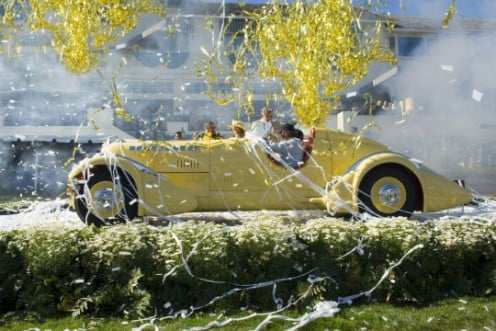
{"x": 313, "y": 49}
{"x": 81, "y": 31}
{"x": 450, "y": 14}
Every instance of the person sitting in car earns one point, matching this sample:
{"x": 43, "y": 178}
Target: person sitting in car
{"x": 210, "y": 133}
{"x": 262, "y": 127}
{"x": 289, "y": 149}
{"x": 238, "y": 129}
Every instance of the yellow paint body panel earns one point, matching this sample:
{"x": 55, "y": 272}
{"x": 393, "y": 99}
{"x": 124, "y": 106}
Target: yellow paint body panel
{"x": 156, "y": 193}
{"x": 438, "y": 192}
{"x": 236, "y": 174}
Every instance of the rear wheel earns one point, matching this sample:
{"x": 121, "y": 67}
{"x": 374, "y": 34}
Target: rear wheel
{"x": 107, "y": 197}
{"x": 388, "y": 191}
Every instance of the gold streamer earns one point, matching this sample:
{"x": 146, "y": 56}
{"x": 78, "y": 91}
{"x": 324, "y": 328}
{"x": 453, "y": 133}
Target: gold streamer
{"x": 80, "y": 30}
{"x": 313, "y": 49}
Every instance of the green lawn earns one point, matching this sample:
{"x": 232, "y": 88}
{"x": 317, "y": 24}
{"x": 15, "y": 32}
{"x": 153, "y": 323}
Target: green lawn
{"x": 454, "y": 314}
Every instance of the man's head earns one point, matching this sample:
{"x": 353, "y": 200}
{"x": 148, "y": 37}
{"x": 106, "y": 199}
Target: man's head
{"x": 266, "y": 114}
{"x": 210, "y": 127}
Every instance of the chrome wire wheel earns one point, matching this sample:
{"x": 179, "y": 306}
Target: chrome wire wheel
{"x": 388, "y": 191}
{"x": 106, "y": 197}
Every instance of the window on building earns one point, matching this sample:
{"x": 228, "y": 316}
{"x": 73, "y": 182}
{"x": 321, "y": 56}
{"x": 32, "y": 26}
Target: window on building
{"x": 147, "y": 87}
{"x": 202, "y": 87}
{"x": 167, "y": 45}
{"x": 194, "y": 87}
{"x": 147, "y": 118}
{"x": 45, "y": 109}
{"x": 233, "y": 39}
{"x": 408, "y": 46}
{"x": 201, "y": 111}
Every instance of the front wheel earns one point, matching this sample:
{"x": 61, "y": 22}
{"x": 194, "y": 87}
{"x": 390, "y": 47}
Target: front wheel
{"x": 388, "y": 191}
{"x": 107, "y": 197}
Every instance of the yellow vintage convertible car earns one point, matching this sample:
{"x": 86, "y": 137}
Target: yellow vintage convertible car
{"x": 342, "y": 173}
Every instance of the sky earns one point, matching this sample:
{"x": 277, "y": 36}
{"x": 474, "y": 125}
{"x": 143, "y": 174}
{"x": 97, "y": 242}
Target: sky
{"x": 427, "y": 8}
{"x": 437, "y": 8}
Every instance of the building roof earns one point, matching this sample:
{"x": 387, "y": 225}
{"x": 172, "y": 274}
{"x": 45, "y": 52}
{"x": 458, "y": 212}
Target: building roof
{"x": 435, "y": 24}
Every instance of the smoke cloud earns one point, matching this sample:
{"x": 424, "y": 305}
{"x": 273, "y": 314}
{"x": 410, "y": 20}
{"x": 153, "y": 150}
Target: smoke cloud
{"x": 36, "y": 91}
{"x": 451, "y": 122}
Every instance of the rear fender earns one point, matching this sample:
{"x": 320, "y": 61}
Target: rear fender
{"x": 157, "y": 194}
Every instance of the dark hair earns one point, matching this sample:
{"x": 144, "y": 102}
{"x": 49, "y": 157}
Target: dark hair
{"x": 209, "y": 123}
{"x": 289, "y": 128}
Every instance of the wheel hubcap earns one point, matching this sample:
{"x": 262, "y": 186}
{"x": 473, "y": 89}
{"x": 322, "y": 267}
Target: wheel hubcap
{"x": 388, "y": 195}
{"x": 106, "y": 199}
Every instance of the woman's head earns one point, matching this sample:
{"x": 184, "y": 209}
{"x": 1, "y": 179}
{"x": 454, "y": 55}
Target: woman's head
{"x": 288, "y": 131}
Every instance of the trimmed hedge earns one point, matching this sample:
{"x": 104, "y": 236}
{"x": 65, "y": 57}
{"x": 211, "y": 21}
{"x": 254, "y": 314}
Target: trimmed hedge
{"x": 136, "y": 270}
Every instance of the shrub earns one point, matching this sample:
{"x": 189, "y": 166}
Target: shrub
{"x": 134, "y": 270}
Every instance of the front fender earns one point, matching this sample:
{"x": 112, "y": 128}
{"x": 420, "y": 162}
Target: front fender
{"x": 343, "y": 194}
{"x": 156, "y": 194}
{"x": 436, "y": 192}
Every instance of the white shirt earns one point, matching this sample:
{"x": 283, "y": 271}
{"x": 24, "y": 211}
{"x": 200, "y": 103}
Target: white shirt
{"x": 260, "y": 129}
{"x": 289, "y": 151}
